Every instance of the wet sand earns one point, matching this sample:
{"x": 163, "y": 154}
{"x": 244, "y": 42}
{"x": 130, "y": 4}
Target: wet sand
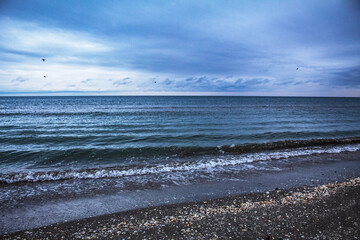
{"x": 329, "y": 211}
{"x": 34, "y": 213}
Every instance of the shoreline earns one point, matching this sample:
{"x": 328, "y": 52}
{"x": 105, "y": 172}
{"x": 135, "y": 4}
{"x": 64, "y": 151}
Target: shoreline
{"x": 29, "y": 214}
{"x": 326, "y": 211}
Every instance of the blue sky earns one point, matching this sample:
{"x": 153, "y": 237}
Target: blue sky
{"x": 266, "y": 48}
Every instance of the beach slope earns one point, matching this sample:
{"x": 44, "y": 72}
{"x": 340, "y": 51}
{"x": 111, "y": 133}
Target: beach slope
{"x": 329, "y": 211}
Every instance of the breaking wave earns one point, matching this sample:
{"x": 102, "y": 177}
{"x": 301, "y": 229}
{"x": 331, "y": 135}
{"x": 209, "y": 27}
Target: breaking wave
{"x": 226, "y": 156}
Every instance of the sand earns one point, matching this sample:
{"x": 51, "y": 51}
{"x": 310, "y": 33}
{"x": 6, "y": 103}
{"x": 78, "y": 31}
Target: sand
{"x": 328, "y": 211}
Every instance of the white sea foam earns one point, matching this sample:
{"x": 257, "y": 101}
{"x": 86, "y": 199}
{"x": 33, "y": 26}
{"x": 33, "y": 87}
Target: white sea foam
{"x": 206, "y": 164}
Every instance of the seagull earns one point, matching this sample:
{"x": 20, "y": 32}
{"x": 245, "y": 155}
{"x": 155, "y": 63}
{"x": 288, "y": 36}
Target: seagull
{"x": 43, "y": 59}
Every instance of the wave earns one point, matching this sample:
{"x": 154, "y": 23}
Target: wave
{"x": 104, "y": 153}
{"x": 208, "y": 164}
{"x": 278, "y": 145}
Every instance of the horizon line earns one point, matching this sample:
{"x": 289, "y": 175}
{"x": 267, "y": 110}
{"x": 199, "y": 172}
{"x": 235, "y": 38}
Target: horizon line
{"x": 99, "y": 94}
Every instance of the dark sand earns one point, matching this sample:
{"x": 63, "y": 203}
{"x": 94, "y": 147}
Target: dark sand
{"x": 329, "y": 211}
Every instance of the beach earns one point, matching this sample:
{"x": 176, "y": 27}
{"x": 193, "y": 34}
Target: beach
{"x": 179, "y": 119}
{"x": 328, "y": 211}
{"x": 96, "y": 167}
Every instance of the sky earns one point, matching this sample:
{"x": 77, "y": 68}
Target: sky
{"x": 187, "y": 47}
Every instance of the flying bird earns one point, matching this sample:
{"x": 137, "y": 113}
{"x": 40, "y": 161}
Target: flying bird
{"x": 297, "y": 68}
{"x": 44, "y": 61}
{"x": 154, "y": 81}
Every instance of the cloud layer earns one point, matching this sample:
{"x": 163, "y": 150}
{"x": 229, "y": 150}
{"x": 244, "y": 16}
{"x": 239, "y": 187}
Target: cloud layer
{"x": 181, "y": 47}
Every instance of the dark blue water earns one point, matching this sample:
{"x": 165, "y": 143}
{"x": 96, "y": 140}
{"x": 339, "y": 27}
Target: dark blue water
{"x": 46, "y": 138}
{"x": 74, "y": 147}
{"x": 52, "y": 131}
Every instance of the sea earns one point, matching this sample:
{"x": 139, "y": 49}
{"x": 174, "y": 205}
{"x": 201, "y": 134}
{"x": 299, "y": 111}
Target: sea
{"x": 70, "y": 157}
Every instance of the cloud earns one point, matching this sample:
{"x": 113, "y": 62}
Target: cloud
{"x": 217, "y": 84}
{"x": 86, "y": 81}
{"x": 124, "y": 81}
{"x": 30, "y": 39}
{"x": 347, "y": 77}
{"x": 20, "y": 79}
{"x": 235, "y": 46}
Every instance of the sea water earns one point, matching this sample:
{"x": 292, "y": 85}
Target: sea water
{"x": 71, "y": 148}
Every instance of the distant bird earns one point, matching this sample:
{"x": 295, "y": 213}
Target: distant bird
{"x": 44, "y": 76}
{"x": 43, "y": 59}
{"x": 297, "y": 68}
{"x": 154, "y": 81}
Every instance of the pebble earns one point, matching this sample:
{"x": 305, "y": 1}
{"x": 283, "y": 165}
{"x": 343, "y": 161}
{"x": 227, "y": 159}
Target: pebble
{"x": 188, "y": 215}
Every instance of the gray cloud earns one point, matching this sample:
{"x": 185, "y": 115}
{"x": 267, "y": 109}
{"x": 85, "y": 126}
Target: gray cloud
{"x": 86, "y": 81}
{"x": 202, "y": 45}
{"x": 348, "y": 77}
{"x": 20, "y": 79}
{"x": 124, "y": 81}
{"x": 215, "y": 84}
